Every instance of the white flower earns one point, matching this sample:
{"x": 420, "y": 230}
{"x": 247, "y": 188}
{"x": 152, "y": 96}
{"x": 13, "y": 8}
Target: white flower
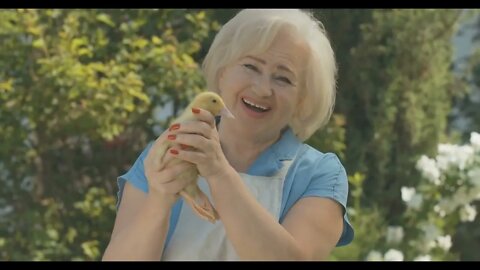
{"x": 475, "y": 140}
{"x": 464, "y": 156}
{"x": 443, "y": 162}
{"x": 446, "y": 149}
{"x": 445, "y": 158}
{"x": 374, "y": 256}
{"x": 407, "y": 193}
{"x": 393, "y": 255}
{"x": 429, "y": 169}
{"x": 468, "y": 213}
{"x": 415, "y": 202}
{"x": 439, "y": 210}
{"x": 423, "y": 258}
{"x": 444, "y": 242}
{"x": 394, "y": 234}
{"x": 412, "y": 199}
{"x": 451, "y": 155}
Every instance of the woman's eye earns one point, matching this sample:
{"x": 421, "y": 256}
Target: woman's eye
{"x": 251, "y": 67}
{"x": 284, "y": 80}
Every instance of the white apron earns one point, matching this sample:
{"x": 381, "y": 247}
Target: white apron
{"x": 195, "y": 239}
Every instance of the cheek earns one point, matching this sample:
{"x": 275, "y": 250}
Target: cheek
{"x": 290, "y": 104}
{"x": 238, "y": 76}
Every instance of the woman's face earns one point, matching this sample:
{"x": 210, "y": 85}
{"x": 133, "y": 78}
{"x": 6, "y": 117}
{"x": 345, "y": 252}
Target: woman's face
{"x": 262, "y": 90}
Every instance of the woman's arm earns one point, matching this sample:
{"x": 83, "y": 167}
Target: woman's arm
{"x": 143, "y": 218}
{"x": 310, "y": 230}
{"x": 140, "y": 227}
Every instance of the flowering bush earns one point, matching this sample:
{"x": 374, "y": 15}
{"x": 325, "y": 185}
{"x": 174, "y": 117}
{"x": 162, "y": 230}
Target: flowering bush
{"x": 443, "y": 199}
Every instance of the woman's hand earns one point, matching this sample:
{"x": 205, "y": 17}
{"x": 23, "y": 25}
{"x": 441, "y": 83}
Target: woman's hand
{"x": 162, "y": 182}
{"x": 202, "y": 135}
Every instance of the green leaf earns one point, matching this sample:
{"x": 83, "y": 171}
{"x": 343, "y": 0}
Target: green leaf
{"x": 104, "y": 18}
{"x": 6, "y": 85}
{"x": 71, "y": 235}
{"x": 38, "y": 43}
{"x": 52, "y": 233}
{"x": 140, "y": 43}
{"x": 156, "y": 40}
{"x": 90, "y": 248}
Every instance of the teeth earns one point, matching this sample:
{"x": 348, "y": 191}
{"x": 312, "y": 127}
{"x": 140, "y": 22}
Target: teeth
{"x": 254, "y": 105}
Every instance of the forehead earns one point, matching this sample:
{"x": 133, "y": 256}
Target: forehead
{"x": 286, "y": 49}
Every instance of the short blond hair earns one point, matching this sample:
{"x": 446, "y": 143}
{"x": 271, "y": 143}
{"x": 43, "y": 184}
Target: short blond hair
{"x": 253, "y": 31}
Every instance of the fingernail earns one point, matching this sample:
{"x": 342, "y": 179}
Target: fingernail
{"x": 183, "y": 146}
{"x": 174, "y": 127}
{"x": 195, "y": 110}
{"x": 173, "y": 151}
{"x": 172, "y": 137}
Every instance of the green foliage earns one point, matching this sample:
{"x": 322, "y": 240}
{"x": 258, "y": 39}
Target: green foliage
{"x": 331, "y": 138}
{"x": 395, "y": 90}
{"x": 397, "y": 95}
{"x": 58, "y": 231}
{"x": 77, "y": 89}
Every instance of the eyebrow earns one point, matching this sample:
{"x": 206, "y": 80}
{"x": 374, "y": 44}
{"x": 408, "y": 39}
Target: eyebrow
{"x": 282, "y": 67}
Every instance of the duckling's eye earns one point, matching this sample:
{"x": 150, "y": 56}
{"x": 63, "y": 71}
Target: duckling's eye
{"x": 214, "y": 100}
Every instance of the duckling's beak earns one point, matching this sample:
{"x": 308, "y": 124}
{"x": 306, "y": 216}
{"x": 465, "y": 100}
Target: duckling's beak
{"x": 225, "y": 112}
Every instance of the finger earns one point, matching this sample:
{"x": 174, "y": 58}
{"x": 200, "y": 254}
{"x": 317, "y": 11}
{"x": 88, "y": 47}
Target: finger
{"x": 158, "y": 158}
{"x": 197, "y": 141}
{"x": 167, "y": 158}
{"x": 204, "y": 116}
{"x": 179, "y": 183}
{"x": 160, "y": 139}
{"x": 192, "y": 127}
{"x": 154, "y": 156}
{"x": 171, "y": 172}
{"x": 190, "y": 156}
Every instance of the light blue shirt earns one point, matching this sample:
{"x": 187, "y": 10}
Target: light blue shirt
{"x": 312, "y": 174}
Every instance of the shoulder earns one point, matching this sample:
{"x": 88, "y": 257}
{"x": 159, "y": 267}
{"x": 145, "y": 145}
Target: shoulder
{"x": 311, "y": 161}
{"x": 315, "y": 173}
{"x": 136, "y": 174}
{"x": 318, "y": 174}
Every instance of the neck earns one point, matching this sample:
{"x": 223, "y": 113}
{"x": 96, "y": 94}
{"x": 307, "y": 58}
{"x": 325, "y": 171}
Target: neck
{"x": 241, "y": 148}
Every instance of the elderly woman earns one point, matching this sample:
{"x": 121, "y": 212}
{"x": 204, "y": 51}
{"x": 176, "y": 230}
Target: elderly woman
{"x": 277, "y": 198}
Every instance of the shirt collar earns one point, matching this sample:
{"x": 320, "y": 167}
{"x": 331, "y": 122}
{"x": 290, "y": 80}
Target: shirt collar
{"x": 270, "y": 160}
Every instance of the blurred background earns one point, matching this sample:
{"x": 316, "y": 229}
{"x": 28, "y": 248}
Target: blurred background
{"x": 83, "y": 91}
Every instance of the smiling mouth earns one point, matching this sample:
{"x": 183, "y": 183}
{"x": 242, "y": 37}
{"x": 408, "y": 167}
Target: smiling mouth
{"x": 255, "y": 107}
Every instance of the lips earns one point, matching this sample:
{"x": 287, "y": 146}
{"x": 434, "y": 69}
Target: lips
{"x": 255, "y": 106}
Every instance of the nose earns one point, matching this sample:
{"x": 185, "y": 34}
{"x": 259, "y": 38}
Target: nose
{"x": 262, "y": 86}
